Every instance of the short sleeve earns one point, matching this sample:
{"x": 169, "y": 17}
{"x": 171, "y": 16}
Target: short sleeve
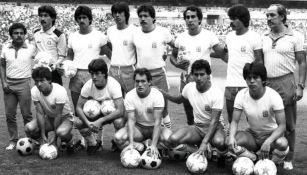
{"x": 61, "y": 96}
{"x": 3, "y": 52}
{"x": 159, "y": 99}
{"x": 214, "y": 39}
{"x": 35, "y": 94}
{"x": 277, "y": 101}
{"x": 218, "y": 101}
{"x": 129, "y": 105}
{"x": 69, "y": 44}
{"x": 103, "y": 39}
{"x": 257, "y": 42}
{"x": 239, "y": 100}
{"x": 167, "y": 36}
{"x": 114, "y": 89}
{"x": 184, "y": 92}
{"x": 299, "y": 42}
{"x": 86, "y": 89}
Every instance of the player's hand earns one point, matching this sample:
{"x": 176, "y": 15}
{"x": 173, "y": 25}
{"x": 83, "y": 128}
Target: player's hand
{"x": 183, "y": 64}
{"x": 265, "y": 150}
{"x": 299, "y": 94}
{"x": 94, "y": 127}
{"x": 44, "y": 138}
{"x": 153, "y": 151}
{"x": 59, "y": 69}
{"x": 202, "y": 149}
{"x": 6, "y": 88}
{"x": 52, "y": 140}
{"x": 130, "y": 146}
{"x": 231, "y": 143}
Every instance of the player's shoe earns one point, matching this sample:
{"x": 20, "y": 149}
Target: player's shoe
{"x": 243, "y": 152}
{"x": 114, "y": 147}
{"x": 163, "y": 150}
{"x": 288, "y": 165}
{"x": 73, "y": 148}
{"x": 93, "y": 149}
{"x": 279, "y": 156}
{"x": 11, "y": 146}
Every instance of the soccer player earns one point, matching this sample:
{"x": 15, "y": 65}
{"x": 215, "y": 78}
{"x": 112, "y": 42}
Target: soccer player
{"x": 51, "y": 40}
{"x": 264, "y": 111}
{"x": 83, "y": 46}
{"x": 286, "y": 47}
{"x": 123, "y": 51}
{"x": 15, "y": 71}
{"x": 207, "y": 102}
{"x": 150, "y": 53}
{"x": 100, "y": 87}
{"x": 244, "y": 46}
{"x": 53, "y": 112}
{"x": 193, "y": 44}
{"x": 144, "y": 106}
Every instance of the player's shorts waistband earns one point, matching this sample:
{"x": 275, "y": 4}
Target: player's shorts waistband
{"x": 17, "y": 79}
{"x": 143, "y": 126}
{"x": 122, "y": 67}
{"x": 156, "y": 70}
{"x": 82, "y": 69}
{"x": 280, "y": 77}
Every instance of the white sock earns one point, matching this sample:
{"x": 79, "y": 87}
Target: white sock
{"x": 279, "y": 156}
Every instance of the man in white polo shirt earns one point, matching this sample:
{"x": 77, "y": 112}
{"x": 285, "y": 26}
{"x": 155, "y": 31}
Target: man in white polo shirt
{"x": 282, "y": 48}
{"x": 243, "y": 46}
{"x": 193, "y": 44}
{"x": 51, "y": 40}
{"x": 123, "y": 51}
{"x": 84, "y": 46}
{"x": 150, "y": 41}
{"x": 15, "y": 70}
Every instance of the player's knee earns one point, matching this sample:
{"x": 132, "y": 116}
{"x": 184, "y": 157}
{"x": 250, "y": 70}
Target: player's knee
{"x": 174, "y": 139}
{"x": 281, "y": 143}
{"x": 218, "y": 142}
{"x": 119, "y": 123}
{"x": 62, "y": 132}
{"x": 119, "y": 137}
{"x": 29, "y": 128}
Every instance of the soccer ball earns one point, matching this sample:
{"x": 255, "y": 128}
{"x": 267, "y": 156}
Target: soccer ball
{"x": 107, "y": 107}
{"x": 42, "y": 59}
{"x": 243, "y": 166}
{"x": 265, "y": 167}
{"x": 130, "y": 158}
{"x": 91, "y": 109}
{"x": 149, "y": 161}
{"x": 24, "y": 146}
{"x": 69, "y": 68}
{"x": 197, "y": 163}
{"x": 47, "y": 151}
{"x": 178, "y": 153}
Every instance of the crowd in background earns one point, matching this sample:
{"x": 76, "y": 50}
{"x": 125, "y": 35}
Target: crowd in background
{"x": 27, "y": 14}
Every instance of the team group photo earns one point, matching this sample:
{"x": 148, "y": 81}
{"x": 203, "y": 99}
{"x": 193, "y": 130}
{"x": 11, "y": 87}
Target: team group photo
{"x": 174, "y": 87}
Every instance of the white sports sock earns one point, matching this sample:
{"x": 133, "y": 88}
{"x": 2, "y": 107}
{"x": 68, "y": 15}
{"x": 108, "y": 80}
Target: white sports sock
{"x": 279, "y": 156}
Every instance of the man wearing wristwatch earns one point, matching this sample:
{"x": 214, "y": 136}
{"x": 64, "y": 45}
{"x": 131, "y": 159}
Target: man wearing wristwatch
{"x": 282, "y": 48}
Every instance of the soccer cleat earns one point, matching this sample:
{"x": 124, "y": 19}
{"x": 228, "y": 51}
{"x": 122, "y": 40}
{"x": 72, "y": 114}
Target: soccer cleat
{"x": 73, "y": 148}
{"x": 288, "y": 165}
{"x": 93, "y": 149}
{"x": 243, "y": 152}
{"x": 11, "y": 146}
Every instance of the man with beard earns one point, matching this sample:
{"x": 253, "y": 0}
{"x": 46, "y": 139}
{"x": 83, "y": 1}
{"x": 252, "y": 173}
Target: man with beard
{"x": 193, "y": 44}
{"x": 50, "y": 40}
{"x": 15, "y": 71}
{"x": 144, "y": 105}
{"x": 100, "y": 87}
{"x": 282, "y": 48}
{"x": 244, "y": 46}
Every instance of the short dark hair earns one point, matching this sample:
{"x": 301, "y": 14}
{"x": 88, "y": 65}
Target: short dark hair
{"x": 239, "y": 12}
{"x": 282, "y": 11}
{"x": 17, "y": 26}
{"x": 196, "y": 9}
{"x": 48, "y": 9}
{"x": 147, "y": 8}
{"x": 143, "y": 71}
{"x": 201, "y": 64}
{"x": 98, "y": 65}
{"x": 119, "y": 7}
{"x": 42, "y": 72}
{"x": 255, "y": 68}
{"x": 84, "y": 10}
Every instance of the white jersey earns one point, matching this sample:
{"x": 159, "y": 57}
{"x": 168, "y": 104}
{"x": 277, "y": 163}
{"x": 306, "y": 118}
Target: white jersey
{"x": 144, "y": 107}
{"x": 86, "y": 47}
{"x": 111, "y": 91}
{"x": 241, "y": 51}
{"x": 260, "y": 113}
{"x": 195, "y": 47}
{"x": 123, "y": 50}
{"x": 58, "y": 95}
{"x": 203, "y": 103}
{"x": 150, "y": 47}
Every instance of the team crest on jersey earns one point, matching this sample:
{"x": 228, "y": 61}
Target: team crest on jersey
{"x": 208, "y": 108}
{"x": 198, "y": 49}
{"x": 243, "y": 49}
{"x": 154, "y": 45}
{"x": 125, "y": 43}
{"x": 49, "y": 42}
{"x": 149, "y": 110}
{"x": 265, "y": 114}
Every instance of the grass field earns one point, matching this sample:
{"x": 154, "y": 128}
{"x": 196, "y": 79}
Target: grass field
{"x": 107, "y": 162}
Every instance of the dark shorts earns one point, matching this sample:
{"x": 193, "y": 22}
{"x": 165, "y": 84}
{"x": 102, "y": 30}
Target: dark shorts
{"x": 76, "y": 83}
{"x": 56, "y": 77}
{"x": 231, "y": 92}
{"x": 202, "y": 129}
{"x": 124, "y": 75}
{"x": 259, "y": 138}
{"x": 159, "y": 78}
{"x": 146, "y": 131}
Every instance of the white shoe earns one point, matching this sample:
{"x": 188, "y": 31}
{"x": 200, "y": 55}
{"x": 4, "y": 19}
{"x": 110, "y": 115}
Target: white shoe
{"x": 288, "y": 165}
{"x": 11, "y": 146}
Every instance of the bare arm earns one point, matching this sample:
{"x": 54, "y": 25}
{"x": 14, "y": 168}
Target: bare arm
{"x": 279, "y": 131}
{"x": 70, "y": 54}
{"x": 233, "y": 127}
{"x": 105, "y": 50}
{"x": 131, "y": 125}
{"x": 79, "y": 110}
{"x": 3, "y": 75}
{"x": 258, "y": 54}
{"x": 40, "y": 120}
{"x": 301, "y": 60}
{"x": 174, "y": 98}
{"x": 219, "y": 52}
{"x": 157, "y": 112}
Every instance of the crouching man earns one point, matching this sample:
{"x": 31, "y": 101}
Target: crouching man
{"x": 53, "y": 112}
{"x": 264, "y": 111}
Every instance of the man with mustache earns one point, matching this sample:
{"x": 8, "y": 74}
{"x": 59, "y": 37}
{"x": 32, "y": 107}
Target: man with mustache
{"x": 123, "y": 57}
{"x": 282, "y": 48}
{"x": 243, "y": 46}
{"x": 207, "y": 103}
{"x": 15, "y": 73}
{"x": 50, "y": 40}
{"x": 193, "y": 44}
{"x": 150, "y": 41}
